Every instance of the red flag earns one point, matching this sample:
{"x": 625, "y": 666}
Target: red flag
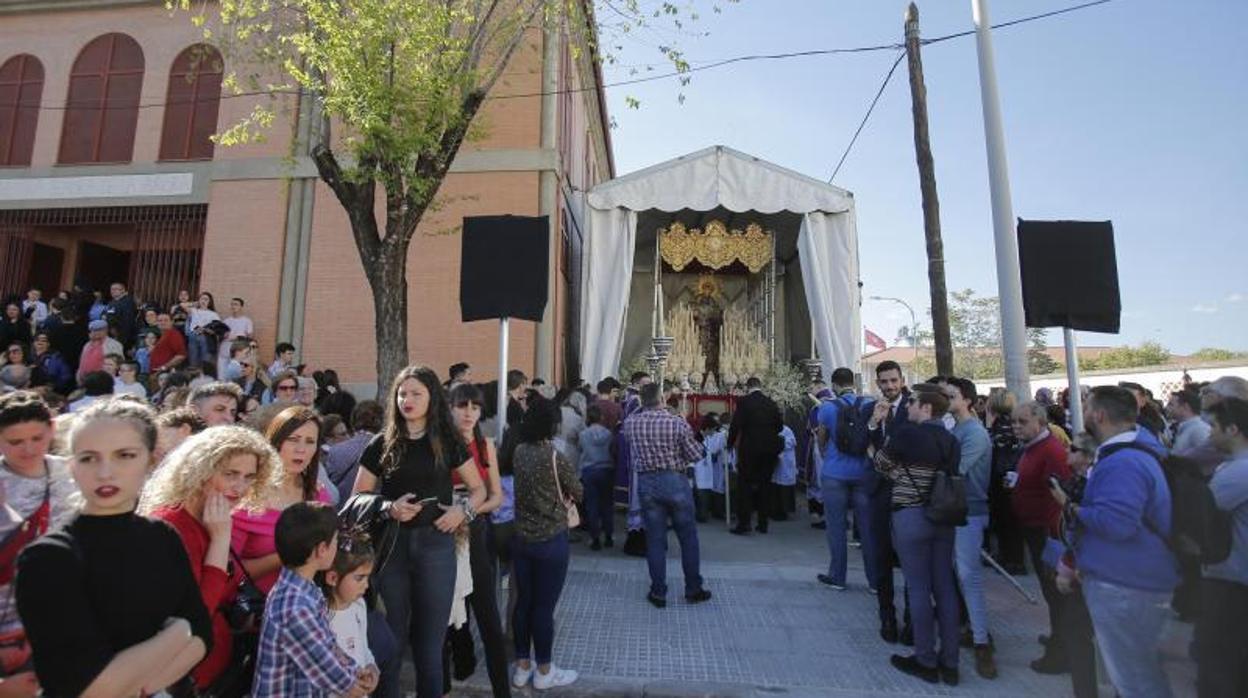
{"x": 874, "y": 340}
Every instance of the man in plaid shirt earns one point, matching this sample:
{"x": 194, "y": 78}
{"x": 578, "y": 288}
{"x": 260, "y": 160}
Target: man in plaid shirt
{"x": 298, "y": 655}
{"x": 663, "y": 446}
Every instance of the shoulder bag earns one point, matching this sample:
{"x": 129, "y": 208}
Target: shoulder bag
{"x": 574, "y": 516}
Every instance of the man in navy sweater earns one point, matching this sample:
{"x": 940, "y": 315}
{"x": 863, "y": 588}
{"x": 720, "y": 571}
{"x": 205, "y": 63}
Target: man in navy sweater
{"x": 1127, "y": 569}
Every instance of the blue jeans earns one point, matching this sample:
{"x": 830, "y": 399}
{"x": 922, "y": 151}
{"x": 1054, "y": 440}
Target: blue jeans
{"x": 385, "y": 651}
{"x": 926, "y": 552}
{"x": 968, "y": 541}
{"x": 1128, "y": 625}
{"x": 539, "y": 572}
{"x": 837, "y": 496}
{"x": 666, "y": 495}
{"x": 197, "y": 349}
{"x": 417, "y": 586}
{"x": 599, "y": 500}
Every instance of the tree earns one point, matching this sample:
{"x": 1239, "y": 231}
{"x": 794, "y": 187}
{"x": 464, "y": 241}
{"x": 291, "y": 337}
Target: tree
{"x": 975, "y": 327}
{"x": 1039, "y": 362}
{"x": 1146, "y": 354}
{"x": 1217, "y": 354}
{"x": 402, "y": 82}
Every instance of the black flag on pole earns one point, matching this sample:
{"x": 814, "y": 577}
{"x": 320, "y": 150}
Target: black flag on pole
{"x": 1070, "y": 275}
{"x": 503, "y": 268}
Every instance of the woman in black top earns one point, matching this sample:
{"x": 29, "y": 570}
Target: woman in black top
{"x": 108, "y": 601}
{"x": 410, "y": 464}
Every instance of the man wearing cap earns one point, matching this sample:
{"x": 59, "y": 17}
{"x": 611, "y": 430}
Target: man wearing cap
{"x": 98, "y": 345}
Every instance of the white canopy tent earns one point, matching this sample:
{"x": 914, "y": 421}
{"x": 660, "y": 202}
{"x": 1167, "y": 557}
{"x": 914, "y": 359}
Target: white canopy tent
{"x": 719, "y": 177}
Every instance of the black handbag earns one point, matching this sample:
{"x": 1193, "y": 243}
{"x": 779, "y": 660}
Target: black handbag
{"x": 244, "y": 616}
{"x": 945, "y": 503}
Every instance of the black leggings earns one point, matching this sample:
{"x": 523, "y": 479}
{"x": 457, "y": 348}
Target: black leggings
{"x": 483, "y": 605}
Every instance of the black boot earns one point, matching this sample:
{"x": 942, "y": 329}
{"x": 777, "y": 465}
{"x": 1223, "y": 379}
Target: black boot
{"x": 888, "y": 630}
{"x": 911, "y": 666}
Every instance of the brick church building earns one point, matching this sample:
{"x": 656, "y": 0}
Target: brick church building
{"x": 107, "y": 173}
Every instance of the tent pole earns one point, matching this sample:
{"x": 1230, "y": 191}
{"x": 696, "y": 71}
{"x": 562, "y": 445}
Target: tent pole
{"x": 771, "y": 298}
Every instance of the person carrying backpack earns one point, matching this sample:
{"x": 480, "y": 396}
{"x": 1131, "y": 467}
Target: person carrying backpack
{"x": 1121, "y": 544}
{"x": 846, "y": 476}
{"x": 1221, "y": 653}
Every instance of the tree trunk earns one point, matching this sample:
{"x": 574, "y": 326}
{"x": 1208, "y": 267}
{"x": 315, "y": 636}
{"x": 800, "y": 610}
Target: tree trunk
{"x": 387, "y": 277}
{"x": 931, "y": 204}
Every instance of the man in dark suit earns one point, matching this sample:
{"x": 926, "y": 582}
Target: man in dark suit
{"x": 755, "y": 434}
{"x": 891, "y": 411}
{"x": 122, "y": 313}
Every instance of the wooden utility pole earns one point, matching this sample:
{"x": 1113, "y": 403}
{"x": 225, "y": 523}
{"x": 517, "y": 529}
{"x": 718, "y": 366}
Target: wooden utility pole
{"x": 931, "y": 204}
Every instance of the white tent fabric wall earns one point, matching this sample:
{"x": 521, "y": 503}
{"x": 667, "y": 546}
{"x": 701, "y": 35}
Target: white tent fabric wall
{"x": 607, "y": 276}
{"x": 827, "y": 247}
{"x": 713, "y": 177}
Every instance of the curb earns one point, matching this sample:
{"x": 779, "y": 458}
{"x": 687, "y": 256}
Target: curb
{"x": 635, "y": 688}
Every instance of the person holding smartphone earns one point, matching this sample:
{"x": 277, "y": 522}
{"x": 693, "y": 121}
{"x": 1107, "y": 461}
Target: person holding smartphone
{"x": 410, "y": 464}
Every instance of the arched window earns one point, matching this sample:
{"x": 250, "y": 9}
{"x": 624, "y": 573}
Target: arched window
{"x": 103, "y": 104}
{"x": 21, "y": 88}
{"x": 191, "y": 106}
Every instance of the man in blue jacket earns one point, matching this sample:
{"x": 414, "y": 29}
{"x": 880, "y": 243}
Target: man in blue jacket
{"x": 1126, "y": 566}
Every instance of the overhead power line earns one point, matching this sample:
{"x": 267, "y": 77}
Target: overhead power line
{"x": 865, "y": 117}
{"x": 939, "y": 39}
{"x": 631, "y": 81}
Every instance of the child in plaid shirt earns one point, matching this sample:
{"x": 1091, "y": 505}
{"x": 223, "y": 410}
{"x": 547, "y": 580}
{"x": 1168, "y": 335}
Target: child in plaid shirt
{"x": 299, "y": 656}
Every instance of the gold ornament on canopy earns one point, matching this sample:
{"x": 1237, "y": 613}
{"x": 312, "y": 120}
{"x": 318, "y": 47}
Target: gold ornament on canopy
{"x": 716, "y": 247}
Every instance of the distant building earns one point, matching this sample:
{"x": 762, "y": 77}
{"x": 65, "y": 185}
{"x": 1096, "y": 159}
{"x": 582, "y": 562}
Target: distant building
{"x": 107, "y": 173}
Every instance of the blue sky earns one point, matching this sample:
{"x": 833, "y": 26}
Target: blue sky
{"x": 1132, "y": 111}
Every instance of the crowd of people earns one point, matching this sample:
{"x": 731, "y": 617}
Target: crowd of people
{"x": 178, "y": 518}
{"x": 1141, "y": 517}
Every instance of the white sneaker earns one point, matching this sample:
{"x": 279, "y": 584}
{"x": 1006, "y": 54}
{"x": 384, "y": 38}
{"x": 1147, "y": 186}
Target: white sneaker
{"x": 554, "y": 677}
{"x": 520, "y": 677}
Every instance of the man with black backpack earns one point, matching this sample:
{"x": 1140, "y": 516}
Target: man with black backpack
{"x": 1221, "y": 653}
{"x": 846, "y": 476}
{"x": 1121, "y": 543}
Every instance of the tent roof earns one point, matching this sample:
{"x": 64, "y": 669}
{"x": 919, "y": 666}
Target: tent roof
{"x": 720, "y": 176}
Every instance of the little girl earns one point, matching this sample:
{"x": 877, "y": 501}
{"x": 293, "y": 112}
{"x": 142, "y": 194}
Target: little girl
{"x": 344, "y": 585}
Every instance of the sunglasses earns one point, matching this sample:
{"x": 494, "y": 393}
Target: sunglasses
{"x": 287, "y": 388}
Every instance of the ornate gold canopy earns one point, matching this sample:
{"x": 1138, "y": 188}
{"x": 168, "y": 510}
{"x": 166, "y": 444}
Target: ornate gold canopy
{"x": 716, "y": 246}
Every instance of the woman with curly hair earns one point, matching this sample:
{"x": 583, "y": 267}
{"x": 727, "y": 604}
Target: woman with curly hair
{"x": 295, "y": 433}
{"x": 195, "y": 491}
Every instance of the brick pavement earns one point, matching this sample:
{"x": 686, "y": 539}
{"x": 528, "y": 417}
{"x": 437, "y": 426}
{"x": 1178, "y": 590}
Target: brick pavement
{"x": 772, "y": 630}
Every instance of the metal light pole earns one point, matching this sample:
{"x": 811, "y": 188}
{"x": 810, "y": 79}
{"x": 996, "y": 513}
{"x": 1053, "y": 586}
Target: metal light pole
{"x": 1009, "y": 281}
{"x": 914, "y": 322}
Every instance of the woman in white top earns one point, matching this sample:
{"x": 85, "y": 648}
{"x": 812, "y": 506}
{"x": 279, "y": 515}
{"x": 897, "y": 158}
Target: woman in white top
{"x": 199, "y": 316}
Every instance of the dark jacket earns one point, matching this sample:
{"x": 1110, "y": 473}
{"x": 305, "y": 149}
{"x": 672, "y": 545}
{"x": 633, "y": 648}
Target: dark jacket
{"x": 370, "y": 513}
{"x": 900, "y": 417}
{"x": 912, "y": 457}
{"x": 755, "y": 433}
{"x": 122, "y": 315}
{"x": 69, "y": 339}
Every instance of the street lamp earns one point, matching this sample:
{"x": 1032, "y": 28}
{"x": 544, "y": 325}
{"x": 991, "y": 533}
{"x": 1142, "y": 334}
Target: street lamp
{"x": 914, "y": 323}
